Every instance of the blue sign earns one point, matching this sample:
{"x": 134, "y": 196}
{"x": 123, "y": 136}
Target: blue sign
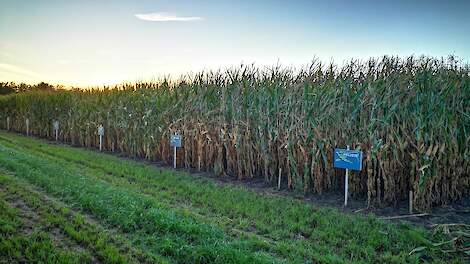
{"x": 175, "y": 141}
{"x": 348, "y": 159}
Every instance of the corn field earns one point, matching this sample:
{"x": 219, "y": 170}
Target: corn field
{"x": 410, "y": 117}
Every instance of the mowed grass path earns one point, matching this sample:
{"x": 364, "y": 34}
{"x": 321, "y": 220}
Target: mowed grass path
{"x": 167, "y": 216}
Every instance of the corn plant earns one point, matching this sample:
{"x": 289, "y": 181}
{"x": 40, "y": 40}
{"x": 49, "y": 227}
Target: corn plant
{"x": 410, "y": 117}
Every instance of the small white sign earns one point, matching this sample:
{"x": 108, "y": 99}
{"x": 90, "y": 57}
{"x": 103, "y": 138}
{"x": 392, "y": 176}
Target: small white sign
{"x": 55, "y": 124}
{"x": 101, "y": 130}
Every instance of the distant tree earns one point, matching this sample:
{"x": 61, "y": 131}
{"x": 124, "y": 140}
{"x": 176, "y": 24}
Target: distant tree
{"x": 23, "y": 87}
{"x": 7, "y": 88}
{"x": 42, "y": 86}
{"x": 11, "y": 87}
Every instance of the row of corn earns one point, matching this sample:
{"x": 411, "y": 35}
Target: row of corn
{"x": 410, "y": 117}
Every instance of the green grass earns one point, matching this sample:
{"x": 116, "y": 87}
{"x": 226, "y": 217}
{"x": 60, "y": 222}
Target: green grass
{"x": 188, "y": 219}
{"x": 35, "y": 247}
{"x": 91, "y": 238}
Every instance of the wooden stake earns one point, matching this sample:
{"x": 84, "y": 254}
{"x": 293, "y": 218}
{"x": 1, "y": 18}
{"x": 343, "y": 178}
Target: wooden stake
{"x": 199, "y": 161}
{"x": 411, "y": 202}
{"x": 279, "y": 179}
{"x": 403, "y": 216}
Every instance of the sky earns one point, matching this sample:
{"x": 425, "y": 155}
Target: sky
{"x": 99, "y": 42}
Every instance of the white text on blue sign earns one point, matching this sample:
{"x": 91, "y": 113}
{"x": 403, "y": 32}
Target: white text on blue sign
{"x": 348, "y": 159}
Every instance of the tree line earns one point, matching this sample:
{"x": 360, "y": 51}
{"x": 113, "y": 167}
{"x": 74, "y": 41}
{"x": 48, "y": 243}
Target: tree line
{"x": 12, "y": 87}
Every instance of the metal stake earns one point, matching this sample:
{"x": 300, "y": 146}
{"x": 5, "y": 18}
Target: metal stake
{"x": 27, "y": 126}
{"x": 101, "y": 133}
{"x": 174, "y": 157}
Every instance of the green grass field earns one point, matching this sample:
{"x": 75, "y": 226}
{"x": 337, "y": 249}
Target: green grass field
{"x": 60, "y": 204}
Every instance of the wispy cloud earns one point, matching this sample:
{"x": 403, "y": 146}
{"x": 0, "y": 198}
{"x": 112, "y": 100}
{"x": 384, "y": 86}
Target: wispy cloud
{"x": 16, "y": 70}
{"x": 166, "y": 17}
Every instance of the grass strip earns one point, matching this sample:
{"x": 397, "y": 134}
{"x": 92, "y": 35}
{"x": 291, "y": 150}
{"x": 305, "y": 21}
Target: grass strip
{"x": 306, "y": 233}
{"x": 17, "y": 246}
{"x": 107, "y": 246}
{"x": 180, "y": 238}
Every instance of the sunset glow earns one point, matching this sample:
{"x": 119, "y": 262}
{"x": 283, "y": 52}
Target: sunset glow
{"x": 99, "y": 42}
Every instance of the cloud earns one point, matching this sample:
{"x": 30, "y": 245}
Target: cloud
{"x": 166, "y": 17}
{"x": 18, "y": 71}
{"x": 10, "y": 72}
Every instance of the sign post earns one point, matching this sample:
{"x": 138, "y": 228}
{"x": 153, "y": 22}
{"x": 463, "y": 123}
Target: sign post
{"x": 175, "y": 142}
{"x": 27, "y": 126}
{"x": 349, "y": 160}
{"x": 8, "y": 123}
{"x": 101, "y": 134}
{"x": 55, "y": 124}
